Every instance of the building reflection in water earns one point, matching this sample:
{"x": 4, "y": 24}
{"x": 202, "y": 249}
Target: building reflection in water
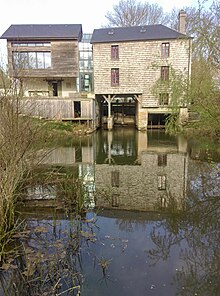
{"x": 146, "y": 172}
{"x": 127, "y": 169}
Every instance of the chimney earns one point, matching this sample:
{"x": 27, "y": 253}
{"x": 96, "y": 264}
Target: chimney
{"x": 182, "y": 21}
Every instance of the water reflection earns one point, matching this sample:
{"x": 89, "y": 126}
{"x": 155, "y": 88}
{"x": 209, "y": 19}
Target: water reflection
{"x": 152, "y": 225}
{"x": 196, "y": 228}
{"x": 153, "y": 172}
{"x": 131, "y": 170}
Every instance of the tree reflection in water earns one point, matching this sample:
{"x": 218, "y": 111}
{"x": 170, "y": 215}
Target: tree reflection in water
{"x": 196, "y": 229}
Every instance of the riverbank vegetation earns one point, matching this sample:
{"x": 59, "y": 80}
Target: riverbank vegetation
{"x": 19, "y": 141}
{"x": 205, "y": 100}
{"x": 57, "y": 131}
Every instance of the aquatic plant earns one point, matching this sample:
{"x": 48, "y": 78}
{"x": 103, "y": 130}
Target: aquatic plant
{"x": 18, "y": 144}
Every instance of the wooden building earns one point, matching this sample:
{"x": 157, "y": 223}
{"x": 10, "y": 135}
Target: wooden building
{"x": 44, "y": 59}
{"x": 133, "y": 69}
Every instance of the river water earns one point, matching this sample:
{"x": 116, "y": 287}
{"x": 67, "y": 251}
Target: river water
{"x": 151, "y": 225}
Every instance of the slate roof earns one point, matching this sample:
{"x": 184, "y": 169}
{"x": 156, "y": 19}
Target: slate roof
{"x": 135, "y": 33}
{"x": 43, "y": 32}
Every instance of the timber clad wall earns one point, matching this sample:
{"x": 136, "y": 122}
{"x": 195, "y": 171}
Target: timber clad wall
{"x": 139, "y": 66}
{"x": 64, "y": 59}
{"x": 56, "y": 108}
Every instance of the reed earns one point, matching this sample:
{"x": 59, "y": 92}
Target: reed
{"x": 18, "y": 146}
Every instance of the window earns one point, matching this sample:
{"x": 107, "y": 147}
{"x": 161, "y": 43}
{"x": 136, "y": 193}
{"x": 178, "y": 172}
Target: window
{"x": 163, "y": 99}
{"x": 161, "y": 182}
{"x": 115, "y": 52}
{"x": 165, "y": 50}
{"x": 163, "y": 202}
{"x": 115, "y": 200}
{"x": 85, "y": 55}
{"x": 164, "y": 73}
{"x": 162, "y": 160}
{"x": 15, "y": 44}
{"x": 115, "y": 77}
{"x": 115, "y": 178}
{"x": 32, "y": 60}
{"x": 47, "y": 60}
{"x": 86, "y": 65}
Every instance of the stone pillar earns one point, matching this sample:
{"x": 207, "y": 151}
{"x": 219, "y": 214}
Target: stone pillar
{"x": 110, "y": 123}
{"x": 142, "y": 119}
{"x": 183, "y": 115}
{"x": 109, "y": 146}
{"x": 142, "y": 142}
{"x": 182, "y": 144}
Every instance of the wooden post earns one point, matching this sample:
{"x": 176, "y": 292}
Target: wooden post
{"x": 109, "y": 109}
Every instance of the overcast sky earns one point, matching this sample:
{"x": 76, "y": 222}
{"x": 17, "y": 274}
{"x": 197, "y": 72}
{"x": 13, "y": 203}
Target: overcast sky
{"x": 89, "y": 13}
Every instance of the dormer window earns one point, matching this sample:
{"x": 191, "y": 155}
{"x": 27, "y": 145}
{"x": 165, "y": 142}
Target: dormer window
{"x": 111, "y": 32}
{"x": 143, "y": 29}
{"x": 114, "y": 52}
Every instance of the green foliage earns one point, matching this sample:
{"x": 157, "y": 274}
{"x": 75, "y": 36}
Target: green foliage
{"x": 71, "y": 190}
{"x": 177, "y": 88}
{"x": 171, "y": 125}
{"x": 58, "y": 125}
{"x": 205, "y": 98}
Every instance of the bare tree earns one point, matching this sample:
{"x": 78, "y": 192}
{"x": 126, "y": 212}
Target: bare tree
{"x": 129, "y": 13}
{"x": 202, "y": 24}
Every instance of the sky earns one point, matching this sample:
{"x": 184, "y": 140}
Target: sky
{"x": 89, "y": 13}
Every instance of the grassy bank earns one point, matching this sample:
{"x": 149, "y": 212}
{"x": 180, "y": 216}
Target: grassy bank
{"x": 58, "y": 131}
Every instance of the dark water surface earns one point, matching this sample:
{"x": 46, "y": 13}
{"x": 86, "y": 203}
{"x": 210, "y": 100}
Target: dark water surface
{"x": 152, "y": 220}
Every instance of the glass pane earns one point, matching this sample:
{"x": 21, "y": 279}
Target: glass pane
{"x": 47, "y": 60}
{"x": 16, "y": 59}
{"x": 23, "y": 60}
{"x": 85, "y": 55}
{"x": 40, "y": 60}
{"x": 32, "y": 63}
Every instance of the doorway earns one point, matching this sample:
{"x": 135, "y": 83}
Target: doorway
{"x": 55, "y": 89}
{"x": 77, "y": 109}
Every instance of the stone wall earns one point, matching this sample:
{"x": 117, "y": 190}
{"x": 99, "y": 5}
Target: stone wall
{"x": 148, "y": 186}
{"x": 139, "y": 66}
